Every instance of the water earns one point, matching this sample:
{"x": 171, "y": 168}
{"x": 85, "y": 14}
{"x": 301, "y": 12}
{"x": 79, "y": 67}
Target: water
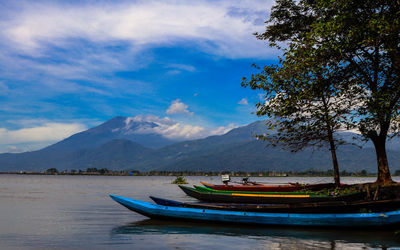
{"x": 75, "y": 212}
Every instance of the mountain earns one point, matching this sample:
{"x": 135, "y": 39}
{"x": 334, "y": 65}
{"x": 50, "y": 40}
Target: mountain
{"x": 117, "y": 128}
{"x": 111, "y": 155}
{"x": 256, "y": 156}
{"x": 76, "y": 151}
{"x": 124, "y": 144}
{"x": 120, "y": 143}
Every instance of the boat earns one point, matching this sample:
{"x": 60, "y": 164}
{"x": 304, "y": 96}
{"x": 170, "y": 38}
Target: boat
{"x": 311, "y": 207}
{"x": 210, "y": 190}
{"x": 260, "y": 198}
{"x": 272, "y": 188}
{"x": 153, "y": 210}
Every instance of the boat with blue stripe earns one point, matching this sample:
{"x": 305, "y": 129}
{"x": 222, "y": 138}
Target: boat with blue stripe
{"x": 282, "y": 219}
{"x": 209, "y": 195}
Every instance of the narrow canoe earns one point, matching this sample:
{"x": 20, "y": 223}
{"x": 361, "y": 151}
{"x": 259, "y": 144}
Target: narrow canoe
{"x": 282, "y": 219}
{"x": 265, "y": 198}
{"x": 210, "y": 190}
{"x": 314, "y": 207}
{"x": 272, "y": 188}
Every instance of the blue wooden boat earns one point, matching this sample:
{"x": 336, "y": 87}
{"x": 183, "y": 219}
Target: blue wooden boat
{"x": 288, "y": 219}
{"x": 327, "y": 207}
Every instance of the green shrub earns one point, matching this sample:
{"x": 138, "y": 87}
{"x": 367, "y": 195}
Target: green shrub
{"x": 180, "y": 180}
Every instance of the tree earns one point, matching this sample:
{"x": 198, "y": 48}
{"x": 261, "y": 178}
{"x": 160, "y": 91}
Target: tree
{"x": 358, "y": 43}
{"x": 305, "y": 104}
{"x": 52, "y": 171}
{"x": 92, "y": 170}
{"x": 305, "y": 100}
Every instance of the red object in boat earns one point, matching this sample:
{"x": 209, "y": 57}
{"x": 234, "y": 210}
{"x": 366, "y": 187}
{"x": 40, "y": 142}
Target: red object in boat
{"x": 271, "y": 188}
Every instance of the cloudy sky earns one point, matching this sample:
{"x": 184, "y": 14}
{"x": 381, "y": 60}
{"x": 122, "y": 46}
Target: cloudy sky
{"x": 66, "y": 66}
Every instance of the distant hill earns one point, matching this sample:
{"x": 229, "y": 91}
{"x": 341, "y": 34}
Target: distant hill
{"x": 255, "y": 156}
{"x": 121, "y": 144}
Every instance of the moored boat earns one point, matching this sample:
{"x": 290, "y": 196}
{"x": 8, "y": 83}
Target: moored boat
{"x": 283, "y": 219}
{"x": 210, "y": 190}
{"x": 272, "y": 188}
{"x": 266, "y": 198}
{"x": 311, "y": 207}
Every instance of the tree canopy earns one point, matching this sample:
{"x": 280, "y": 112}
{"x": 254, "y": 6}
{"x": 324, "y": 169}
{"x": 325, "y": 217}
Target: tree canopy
{"x": 340, "y": 68}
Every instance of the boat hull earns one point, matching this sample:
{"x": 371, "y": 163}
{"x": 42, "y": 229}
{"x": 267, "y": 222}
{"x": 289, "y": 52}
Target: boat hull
{"x": 263, "y": 199}
{"x": 315, "y": 207}
{"x": 210, "y": 190}
{"x": 271, "y": 188}
{"x": 282, "y": 219}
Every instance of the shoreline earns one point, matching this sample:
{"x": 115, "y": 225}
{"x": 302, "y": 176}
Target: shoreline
{"x": 179, "y": 173}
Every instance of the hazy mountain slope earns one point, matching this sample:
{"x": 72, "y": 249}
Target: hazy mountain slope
{"x": 170, "y": 154}
{"x": 255, "y": 156}
{"x": 111, "y": 155}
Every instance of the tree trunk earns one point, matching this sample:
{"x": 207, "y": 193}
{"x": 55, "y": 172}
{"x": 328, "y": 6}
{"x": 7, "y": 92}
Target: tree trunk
{"x": 335, "y": 168}
{"x": 329, "y": 129}
{"x": 381, "y": 157}
{"x": 334, "y": 159}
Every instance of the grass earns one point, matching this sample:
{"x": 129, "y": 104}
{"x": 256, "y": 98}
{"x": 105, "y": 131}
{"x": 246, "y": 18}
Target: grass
{"x": 180, "y": 180}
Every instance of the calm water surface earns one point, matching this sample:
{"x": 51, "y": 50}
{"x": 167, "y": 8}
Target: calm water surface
{"x": 75, "y": 212}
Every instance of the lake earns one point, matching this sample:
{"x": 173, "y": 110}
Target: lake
{"x": 75, "y": 212}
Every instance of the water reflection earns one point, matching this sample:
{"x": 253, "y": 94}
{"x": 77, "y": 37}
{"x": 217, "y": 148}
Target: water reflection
{"x": 269, "y": 237}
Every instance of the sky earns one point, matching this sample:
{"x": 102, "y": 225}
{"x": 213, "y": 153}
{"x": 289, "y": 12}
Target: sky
{"x": 66, "y": 66}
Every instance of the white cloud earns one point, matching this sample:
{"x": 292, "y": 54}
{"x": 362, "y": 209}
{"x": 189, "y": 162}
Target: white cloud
{"x": 13, "y": 149}
{"x": 181, "y": 67}
{"x": 218, "y": 27}
{"x": 178, "y": 68}
{"x": 65, "y": 47}
{"x": 354, "y": 130}
{"x": 243, "y": 102}
{"x": 47, "y": 132}
{"x": 181, "y": 131}
{"x": 178, "y": 107}
{"x": 175, "y": 130}
{"x": 150, "y": 118}
{"x": 222, "y": 129}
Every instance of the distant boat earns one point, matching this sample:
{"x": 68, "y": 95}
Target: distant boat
{"x": 271, "y": 188}
{"x": 310, "y": 207}
{"x": 282, "y": 219}
{"x": 260, "y": 198}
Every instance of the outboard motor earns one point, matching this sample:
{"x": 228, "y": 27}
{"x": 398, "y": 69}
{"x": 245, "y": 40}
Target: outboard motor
{"x": 225, "y": 178}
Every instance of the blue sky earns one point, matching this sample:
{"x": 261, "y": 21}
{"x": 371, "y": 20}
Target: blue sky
{"x": 70, "y": 65}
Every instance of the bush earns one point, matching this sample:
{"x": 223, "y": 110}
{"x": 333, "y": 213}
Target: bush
{"x": 180, "y": 180}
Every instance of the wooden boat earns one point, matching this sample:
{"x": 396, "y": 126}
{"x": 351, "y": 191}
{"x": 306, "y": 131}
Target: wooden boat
{"x": 209, "y": 190}
{"x": 265, "y": 198}
{"x": 314, "y": 207}
{"x": 272, "y": 188}
{"x": 282, "y": 219}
